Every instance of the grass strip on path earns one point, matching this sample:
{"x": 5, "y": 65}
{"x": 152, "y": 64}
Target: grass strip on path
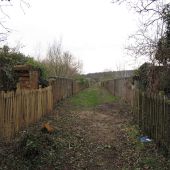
{"x": 92, "y": 97}
{"x": 84, "y": 138}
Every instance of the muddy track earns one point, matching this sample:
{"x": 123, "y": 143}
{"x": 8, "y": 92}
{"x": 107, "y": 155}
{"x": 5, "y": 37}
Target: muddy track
{"x": 101, "y": 137}
{"x": 101, "y": 130}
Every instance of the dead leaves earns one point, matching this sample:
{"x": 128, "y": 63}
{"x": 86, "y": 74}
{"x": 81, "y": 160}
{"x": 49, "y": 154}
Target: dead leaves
{"x": 46, "y": 127}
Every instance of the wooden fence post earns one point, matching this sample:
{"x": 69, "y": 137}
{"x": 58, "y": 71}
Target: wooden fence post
{"x": 140, "y": 110}
{"x": 168, "y": 127}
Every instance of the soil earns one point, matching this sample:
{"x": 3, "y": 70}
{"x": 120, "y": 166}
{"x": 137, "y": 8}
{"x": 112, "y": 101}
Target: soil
{"x": 101, "y": 130}
{"x": 84, "y": 138}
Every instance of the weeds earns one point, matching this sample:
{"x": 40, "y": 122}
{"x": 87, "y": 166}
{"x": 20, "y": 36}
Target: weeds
{"x": 100, "y": 138}
{"x": 145, "y": 155}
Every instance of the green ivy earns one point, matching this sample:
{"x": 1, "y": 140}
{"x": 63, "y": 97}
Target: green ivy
{"x": 10, "y": 58}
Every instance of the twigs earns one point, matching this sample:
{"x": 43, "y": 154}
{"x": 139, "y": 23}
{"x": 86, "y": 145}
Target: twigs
{"x": 9, "y": 3}
{"x": 24, "y": 3}
{"x": 154, "y": 15}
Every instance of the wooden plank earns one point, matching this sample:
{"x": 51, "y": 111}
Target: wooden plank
{"x": 20, "y": 108}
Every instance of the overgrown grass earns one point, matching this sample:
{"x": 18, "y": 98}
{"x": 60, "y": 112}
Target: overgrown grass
{"x": 92, "y": 97}
{"x": 143, "y": 155}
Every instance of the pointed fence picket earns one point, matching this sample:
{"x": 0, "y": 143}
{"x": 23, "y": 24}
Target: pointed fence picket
{"x": 19, "y": 109}
{"x": 150, "y": 111}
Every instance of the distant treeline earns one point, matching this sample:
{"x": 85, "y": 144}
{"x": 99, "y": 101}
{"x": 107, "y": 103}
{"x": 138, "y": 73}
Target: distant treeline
{"x": 100, "y": 76}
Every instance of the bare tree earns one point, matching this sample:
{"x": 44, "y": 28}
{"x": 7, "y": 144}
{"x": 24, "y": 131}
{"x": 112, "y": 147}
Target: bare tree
{"x": 61, "y": 63}
{"x": 153, "y": 17}
{"x": 152, "y": 40}
{"x": 70, "y": 65}
{"x": 4, "y": 4}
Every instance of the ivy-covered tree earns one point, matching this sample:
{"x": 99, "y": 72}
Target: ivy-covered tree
{"x": 163, "y": 47}
{"x": 7, "y": 61}
{"x": 10, "y": 58}
{"x": 141, "y": 76}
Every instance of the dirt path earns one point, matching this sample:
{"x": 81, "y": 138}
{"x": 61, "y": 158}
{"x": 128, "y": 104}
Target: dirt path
{"x": 100, "y": 129}
{"x": 95, "y": 135}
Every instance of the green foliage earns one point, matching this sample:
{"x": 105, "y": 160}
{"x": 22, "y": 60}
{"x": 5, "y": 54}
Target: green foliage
{"x": 35, "y": 150}
{"x": 146, "y": 154}
{"x": 163, "y": 51}
{"x": 30, "y": 147}
{"x": 82, "y": 80}
{"x": 10, "y": 58}
{"x": 7, "y": 60}
{"x": 133, "y": 133}
{"x": 37, "y": 65}
{"x": 164, "y": 77}
{"x": 163, "y": 46}
{"x": 141, "y": 75}
{"x": 153, "y": 78}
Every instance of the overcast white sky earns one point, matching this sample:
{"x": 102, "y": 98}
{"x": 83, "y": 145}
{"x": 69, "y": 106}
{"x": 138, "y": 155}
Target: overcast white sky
{"x": 94, "y": 31}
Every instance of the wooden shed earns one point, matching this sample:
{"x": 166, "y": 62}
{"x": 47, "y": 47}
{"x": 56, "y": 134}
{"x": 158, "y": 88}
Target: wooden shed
{"x": 28, "y": 77}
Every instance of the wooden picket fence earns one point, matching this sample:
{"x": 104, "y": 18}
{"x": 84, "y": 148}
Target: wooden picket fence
{"x": 61, "y": 88}
{"x": 121, "y": 88}
{"x": 19, "y": 109}
{"x": 64, "y": 87}
{"x": 152, "y": 113}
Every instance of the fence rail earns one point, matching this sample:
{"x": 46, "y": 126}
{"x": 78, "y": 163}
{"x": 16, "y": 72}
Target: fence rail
{"x": 151, "y": 111}
{"x": 20, "y": 108}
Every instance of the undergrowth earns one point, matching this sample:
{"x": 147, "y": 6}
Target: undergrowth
{"x": 144, "y": 155}
{"x": 76, "y": 145}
